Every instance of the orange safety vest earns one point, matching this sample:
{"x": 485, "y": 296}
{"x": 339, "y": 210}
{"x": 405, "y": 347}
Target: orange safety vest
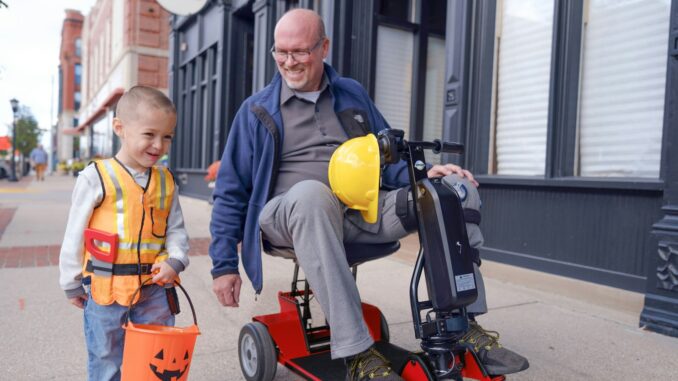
{"x": 139, "y": 217}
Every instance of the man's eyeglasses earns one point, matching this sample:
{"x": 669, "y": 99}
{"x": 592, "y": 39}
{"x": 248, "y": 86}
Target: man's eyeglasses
{"x": 297, "y": 55}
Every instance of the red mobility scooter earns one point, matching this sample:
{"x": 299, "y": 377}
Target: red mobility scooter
{"x": 288, "y": 337}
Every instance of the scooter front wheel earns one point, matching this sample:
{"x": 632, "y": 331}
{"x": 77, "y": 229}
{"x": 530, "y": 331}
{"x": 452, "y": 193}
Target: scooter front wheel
{"x": 257, "y": 353}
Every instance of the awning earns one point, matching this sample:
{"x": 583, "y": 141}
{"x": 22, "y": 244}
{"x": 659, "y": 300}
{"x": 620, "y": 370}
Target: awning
{"x": 70, "y": 131}
{"x": 5, "y": 143}
{"x": 101, "y": 111}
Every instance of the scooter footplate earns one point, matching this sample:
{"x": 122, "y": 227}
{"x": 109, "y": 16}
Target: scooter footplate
{"x": 320, "y": 366}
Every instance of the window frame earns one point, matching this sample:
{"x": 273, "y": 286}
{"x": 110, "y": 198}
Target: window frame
{"x": 562, "y": 121}
{"x": 421, "y": 32}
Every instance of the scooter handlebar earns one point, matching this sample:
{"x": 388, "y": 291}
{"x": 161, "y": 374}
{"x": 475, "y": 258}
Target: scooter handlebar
{"x": 447, "y": 147}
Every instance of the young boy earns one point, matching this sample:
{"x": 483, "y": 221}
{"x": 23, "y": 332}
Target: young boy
{"x": 132, "y": 198}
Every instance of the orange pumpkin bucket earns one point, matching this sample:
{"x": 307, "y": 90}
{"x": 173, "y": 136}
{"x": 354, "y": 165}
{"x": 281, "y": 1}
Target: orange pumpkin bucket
{"x": 158, "y": 352}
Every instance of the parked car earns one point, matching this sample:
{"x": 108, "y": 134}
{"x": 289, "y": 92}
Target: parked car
{"x": 4, "y": 168}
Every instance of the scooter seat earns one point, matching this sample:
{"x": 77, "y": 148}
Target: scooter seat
{"x": 356, "y": 253}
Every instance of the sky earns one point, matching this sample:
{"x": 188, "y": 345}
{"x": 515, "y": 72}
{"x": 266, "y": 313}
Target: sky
{"x": 30, "y": 38}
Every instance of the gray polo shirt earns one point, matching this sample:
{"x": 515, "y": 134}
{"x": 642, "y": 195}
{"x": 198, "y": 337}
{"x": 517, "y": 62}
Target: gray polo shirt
{"x": 311, "y": 133}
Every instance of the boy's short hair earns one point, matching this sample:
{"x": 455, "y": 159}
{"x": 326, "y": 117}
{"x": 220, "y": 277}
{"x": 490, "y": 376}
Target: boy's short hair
{"x": 128, "y": 105}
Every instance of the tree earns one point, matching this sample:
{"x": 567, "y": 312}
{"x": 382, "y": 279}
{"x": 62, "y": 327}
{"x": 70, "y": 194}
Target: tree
{"x": 27, "y": 132}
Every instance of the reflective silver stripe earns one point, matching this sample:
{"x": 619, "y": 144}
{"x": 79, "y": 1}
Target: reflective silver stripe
{"x": 144, "y": 246}
{"x": 163, "y": 190}
{"x": 101, "y": 268}
{"x": 119, "y": 201}
{"x": 103, "y": 246}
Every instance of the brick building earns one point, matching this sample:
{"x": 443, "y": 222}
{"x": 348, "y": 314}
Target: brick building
{"x": 124, "y": 44}
{"x": 70, "y": 80}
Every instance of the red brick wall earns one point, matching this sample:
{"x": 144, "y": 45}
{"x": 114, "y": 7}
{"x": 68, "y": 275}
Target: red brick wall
{"x": 145, "y": 25}
{"x": 153, "y": 71}
{"x": 71, "y": 30}
{"x": 98, "y": 46}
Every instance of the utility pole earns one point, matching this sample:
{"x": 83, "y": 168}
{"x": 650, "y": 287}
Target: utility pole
{"x": 15, "y": 110}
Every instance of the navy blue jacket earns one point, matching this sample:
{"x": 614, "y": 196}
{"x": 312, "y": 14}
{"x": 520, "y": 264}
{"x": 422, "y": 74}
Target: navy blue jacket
{"x": 249, "y": 166}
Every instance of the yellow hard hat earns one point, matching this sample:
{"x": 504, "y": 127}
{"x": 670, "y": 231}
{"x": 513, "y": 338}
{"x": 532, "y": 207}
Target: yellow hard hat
{"x": 354, "y": 175}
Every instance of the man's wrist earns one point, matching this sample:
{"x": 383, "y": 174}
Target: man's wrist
{"x": 217, "y": 274}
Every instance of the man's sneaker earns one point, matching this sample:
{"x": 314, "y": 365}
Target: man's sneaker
{"x": 370, "y": 365}
{"x": 496, "y": 359}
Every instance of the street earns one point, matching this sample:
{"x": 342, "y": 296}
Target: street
{"x": 568, "y": 329}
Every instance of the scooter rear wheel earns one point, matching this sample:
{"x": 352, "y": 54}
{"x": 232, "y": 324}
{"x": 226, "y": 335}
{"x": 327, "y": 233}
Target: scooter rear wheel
{"x": 257, "y": 353}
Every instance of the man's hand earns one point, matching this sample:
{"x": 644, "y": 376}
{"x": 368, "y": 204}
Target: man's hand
{"x": 78, "y": 301}
{"x": 227, "y": 289}
{"x": 448, "y": 169}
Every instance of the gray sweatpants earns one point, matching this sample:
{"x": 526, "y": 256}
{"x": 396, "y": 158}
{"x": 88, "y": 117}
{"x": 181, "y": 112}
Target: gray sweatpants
{"x": 311, "y": 219}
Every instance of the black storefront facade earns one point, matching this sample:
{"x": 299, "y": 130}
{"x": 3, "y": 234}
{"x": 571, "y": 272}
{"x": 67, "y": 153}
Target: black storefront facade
{"x": 572, "y": 139}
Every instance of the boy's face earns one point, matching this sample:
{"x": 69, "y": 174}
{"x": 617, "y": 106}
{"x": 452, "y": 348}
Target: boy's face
{"x": 146, "y": 139}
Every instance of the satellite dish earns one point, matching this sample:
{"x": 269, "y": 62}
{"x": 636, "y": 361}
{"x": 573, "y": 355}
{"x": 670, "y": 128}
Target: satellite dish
{"x": 182, "y": 7}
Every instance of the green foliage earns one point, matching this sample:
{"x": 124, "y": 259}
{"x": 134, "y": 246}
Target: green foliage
{"x": 77, "y": 166}
{"x": 27, "y": 133}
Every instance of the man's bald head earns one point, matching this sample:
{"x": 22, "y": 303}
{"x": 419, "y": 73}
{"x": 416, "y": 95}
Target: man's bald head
{"x": 302, "y": 19}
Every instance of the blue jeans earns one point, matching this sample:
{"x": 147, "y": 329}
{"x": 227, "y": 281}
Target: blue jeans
{"x": 105, "y": 337}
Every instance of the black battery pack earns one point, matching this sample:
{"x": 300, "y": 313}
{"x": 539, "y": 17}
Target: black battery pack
{"x": 448, "y": 257}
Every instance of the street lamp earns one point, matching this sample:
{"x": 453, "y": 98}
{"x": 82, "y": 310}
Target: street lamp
{"x": 15, "y": 110}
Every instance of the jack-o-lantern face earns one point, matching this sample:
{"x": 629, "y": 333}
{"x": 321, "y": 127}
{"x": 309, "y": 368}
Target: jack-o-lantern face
{"x": 170, "y": 369}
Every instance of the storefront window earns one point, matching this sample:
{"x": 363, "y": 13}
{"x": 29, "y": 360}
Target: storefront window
{"x": 435, "y": 88}
{"x": 622, "y": 88}
{"x": 393, "y": 90}
{"x": 102, "y": 137}
{"x": 523, "y": 68}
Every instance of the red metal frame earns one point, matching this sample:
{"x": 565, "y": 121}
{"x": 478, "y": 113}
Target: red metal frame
{"x": 473, "y": 369}
{"x": 413, "y": 372}
{"x": 285, "y": 328}
{"x": 288, "y": 334}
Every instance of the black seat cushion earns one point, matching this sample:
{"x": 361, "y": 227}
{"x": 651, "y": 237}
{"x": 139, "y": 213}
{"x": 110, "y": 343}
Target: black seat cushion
{"x": 356, "y": 253}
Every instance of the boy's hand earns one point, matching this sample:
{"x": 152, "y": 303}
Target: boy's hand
{"x": 78, "y": 301}
{"x": 164, "y": 273}
{"x": 448, "y": 169}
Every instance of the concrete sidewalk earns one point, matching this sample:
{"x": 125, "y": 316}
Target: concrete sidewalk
{"x": 567, "y": 329}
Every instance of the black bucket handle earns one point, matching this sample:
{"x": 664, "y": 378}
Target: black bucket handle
{"x": 129, "y": 309}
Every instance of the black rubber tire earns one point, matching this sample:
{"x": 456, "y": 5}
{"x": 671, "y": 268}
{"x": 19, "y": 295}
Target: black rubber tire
{"x": 257, "y": 353}
{"x": 385, "y": 332}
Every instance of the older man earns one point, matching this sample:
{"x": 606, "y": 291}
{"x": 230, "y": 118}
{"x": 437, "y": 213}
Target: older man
{"x": 272, "y": 184}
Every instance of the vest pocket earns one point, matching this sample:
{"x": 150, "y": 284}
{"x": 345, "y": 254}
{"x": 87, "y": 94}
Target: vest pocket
{"x": 159, "y": 222}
